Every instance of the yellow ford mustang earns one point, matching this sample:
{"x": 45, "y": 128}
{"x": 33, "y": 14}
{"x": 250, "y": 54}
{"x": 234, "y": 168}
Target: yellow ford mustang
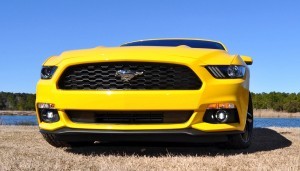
{"x": 174, "y": 90}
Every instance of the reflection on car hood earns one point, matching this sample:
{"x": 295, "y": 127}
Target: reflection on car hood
{"x": 146, "y": 53}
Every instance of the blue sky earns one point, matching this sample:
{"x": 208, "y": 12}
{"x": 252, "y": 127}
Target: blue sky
{"x": 268, "y": 31}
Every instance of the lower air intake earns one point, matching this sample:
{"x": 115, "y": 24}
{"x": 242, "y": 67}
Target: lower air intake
{"x": 129, "y": 117}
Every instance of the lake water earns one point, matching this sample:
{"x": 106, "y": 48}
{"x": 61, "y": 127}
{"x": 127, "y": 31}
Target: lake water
{"x": 258, "y": 122}
{"x": 277, "y": 122}
{"x": 18, "y": 120}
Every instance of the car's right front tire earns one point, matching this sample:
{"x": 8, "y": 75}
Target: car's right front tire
{"x": 52, "y": 140}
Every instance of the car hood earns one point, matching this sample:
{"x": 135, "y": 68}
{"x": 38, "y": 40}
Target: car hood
{"x": 146, "y": 53}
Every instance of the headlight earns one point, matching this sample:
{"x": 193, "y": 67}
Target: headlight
{"x": 47, "y": 72}
{"x": 229, "y": 71}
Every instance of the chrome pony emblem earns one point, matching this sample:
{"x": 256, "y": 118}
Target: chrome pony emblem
{"x": 127, "y": 75}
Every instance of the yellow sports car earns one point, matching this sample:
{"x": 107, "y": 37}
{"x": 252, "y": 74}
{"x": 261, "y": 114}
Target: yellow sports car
{"x": 172, "y": 90}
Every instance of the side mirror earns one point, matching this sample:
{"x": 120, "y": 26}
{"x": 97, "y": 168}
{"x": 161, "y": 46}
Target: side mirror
{"x": 248, "y": 60}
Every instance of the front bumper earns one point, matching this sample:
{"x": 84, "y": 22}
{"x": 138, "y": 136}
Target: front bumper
{"x": 213, "y": 90}
{"x": 197, "y": 101}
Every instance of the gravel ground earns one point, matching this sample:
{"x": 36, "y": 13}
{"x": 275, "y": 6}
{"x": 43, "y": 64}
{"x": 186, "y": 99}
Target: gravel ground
{"x": 23, "y": 148}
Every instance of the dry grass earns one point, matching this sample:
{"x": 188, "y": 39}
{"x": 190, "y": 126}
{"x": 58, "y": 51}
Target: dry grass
{"x": 22, "y": 148}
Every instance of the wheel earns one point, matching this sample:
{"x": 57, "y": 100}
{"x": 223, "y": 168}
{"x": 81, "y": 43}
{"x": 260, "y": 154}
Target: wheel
{"x": 243, "y": 140}
{"x": 52, "y": 140}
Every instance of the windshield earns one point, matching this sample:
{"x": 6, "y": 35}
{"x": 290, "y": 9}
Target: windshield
{"x": 178, "y": 42}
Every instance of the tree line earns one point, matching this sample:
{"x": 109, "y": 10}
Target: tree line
{"x": 289, "y": 102}
{"x": 17, "y": 101}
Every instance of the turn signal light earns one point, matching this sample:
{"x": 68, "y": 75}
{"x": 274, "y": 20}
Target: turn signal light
{"x": 221, "y": 106}
{"x": 46, "y": 106}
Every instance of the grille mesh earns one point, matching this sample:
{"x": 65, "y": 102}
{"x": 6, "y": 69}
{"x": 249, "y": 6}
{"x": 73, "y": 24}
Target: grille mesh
{"x": 133, "y": 117}
{"x": 156, "y": 76}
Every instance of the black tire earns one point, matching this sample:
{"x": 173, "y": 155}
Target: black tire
{"x": 243, "y": 140}
{"x": 52, "y": 140}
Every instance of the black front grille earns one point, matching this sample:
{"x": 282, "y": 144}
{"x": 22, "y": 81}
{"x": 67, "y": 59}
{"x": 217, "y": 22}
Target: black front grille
{"x": 133, "y": 117}
{"x": 155, "y": 76}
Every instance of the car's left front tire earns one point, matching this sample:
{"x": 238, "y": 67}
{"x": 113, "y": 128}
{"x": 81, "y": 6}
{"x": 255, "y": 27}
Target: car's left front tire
{"x": 243, "y": 140}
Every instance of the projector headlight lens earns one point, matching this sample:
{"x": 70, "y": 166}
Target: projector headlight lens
{"x": 47, "y": 72}
{"x": 228, "y": 71}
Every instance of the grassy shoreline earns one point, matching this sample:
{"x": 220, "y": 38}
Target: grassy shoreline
{"x": 23, "y": 148}
{"x": 267, "y": 113}
{"x": 17, "y": 112}
{"x": 258, "y": 113}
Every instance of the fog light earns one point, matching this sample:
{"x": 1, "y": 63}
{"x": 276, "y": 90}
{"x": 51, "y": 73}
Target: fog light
{"x": 217, "y": 116}
{"x": 221, "y": 116}
{"x": 49, "y": 115}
